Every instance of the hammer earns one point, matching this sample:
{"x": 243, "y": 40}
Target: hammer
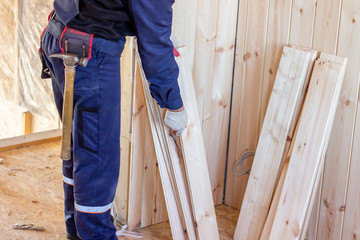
{"x": 70, "y": 62}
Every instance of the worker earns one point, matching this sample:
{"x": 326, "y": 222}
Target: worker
{"x": 90, "y": 177}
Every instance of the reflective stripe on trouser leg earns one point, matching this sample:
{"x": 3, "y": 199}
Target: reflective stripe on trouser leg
{"x": 68, "y": 181}
{"x": 97, "y": 209}
{"x": 96, "y": 134}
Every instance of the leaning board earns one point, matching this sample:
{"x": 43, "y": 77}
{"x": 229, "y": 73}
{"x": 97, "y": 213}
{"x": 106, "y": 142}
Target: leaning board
{"x": 310, "y": 143}
{"x": 286, "y": 96}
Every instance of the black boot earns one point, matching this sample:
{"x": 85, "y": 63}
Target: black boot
{"x": 72, "y": 237}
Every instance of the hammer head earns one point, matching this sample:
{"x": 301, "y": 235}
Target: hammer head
{"x": 71, "y": 60}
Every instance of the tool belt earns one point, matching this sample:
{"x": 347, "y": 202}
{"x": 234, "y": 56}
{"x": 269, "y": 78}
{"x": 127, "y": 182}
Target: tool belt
{"x": 70, "y": 41}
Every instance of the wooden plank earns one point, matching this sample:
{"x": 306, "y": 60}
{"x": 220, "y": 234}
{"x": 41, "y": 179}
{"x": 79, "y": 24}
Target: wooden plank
{"x": 285, "y": 99}
{"x": 174, "y": 185}
{"x": 29, "y": 139}
{"x": 310, "y": 144}
{"x": 220, "y": 95}
{"x": 302, "y": 22}
{"x": 26, "y": 123}
{"x": 142, "y": 147}
{"x": 280, "y": 183}
{"x": 195, "y": 158}
{"x": 338, "y": 156}
{"x": 250, "y": 90}
{"x": 278, "y": 32}
{"x": 351, "y": 225}
{"x": 314, "y": 218}
{"x": 275, "y": 202}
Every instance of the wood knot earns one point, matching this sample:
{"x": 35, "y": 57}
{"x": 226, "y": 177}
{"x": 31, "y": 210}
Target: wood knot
{"x": 342, "y": 208}
{"x": 270, "y": 71}
{"x": 221, "y": 103}
{"x": 220, "y": 49}
{"x": 327, "y": 205}
{"x": 301, "y": 11}
{"x": 353, "y": 20}
{"x": 246, "y": 56}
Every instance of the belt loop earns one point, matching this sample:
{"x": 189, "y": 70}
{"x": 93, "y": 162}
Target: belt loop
{"x": 52, "y": 15}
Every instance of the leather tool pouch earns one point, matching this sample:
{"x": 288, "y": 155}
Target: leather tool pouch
{"x": 76, "y": 42}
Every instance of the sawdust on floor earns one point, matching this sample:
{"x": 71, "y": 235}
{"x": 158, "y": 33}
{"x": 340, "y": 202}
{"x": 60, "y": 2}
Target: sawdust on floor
{"x": 31, "y": 193}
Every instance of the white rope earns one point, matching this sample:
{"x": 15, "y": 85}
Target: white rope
{"x": 124, "y": 232}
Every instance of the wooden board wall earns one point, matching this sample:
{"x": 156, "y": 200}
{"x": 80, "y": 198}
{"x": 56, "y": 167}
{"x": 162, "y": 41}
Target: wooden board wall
{"x": 330, "y": 26}
{"x": 213, "y": 70}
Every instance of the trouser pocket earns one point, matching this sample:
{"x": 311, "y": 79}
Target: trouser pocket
{"x": 88, "y": 128}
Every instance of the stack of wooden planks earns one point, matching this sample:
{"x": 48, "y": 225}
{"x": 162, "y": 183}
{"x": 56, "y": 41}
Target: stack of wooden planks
{"x": 182, "y": 165}
{"x": 302, "y": 163}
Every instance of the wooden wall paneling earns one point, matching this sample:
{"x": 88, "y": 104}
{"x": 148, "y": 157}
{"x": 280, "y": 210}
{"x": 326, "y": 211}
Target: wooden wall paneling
{"x": 338, "y": 156}
{"x": 195, "y": 158}
{"x": 250, "y": 100}
{"x": 149, "y": 189}
{"x": 170, "y": 166}
{"x": 184, "y": 26}
{"x": 285, "y": 99}
{"x": 310, "y": 144}
{"x": 140, "y": 126}
{"x": 326, "y": 25}
{"x": 204, "y": 58}
{"x": 351, "y": 225}
{"x": 203, "y": 76}
{"x": 302, "y": 22}
{"x": 234, "y": 135}
{"x": 217, "y": 124}
{"x": 277, "y": 38}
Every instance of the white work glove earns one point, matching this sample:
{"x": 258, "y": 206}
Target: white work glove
{"x": 176, "y": 121}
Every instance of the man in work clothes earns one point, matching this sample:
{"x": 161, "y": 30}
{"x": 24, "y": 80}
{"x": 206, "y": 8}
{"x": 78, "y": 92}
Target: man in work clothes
{"x": 91, "y": 175}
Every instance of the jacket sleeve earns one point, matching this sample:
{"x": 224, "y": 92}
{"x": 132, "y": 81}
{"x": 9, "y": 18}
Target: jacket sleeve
{"x": 153, "y": 21}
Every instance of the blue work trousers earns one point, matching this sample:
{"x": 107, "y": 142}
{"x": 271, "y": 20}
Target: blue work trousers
{"x": 91, "y": 176}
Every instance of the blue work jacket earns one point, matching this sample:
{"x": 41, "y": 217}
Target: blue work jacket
{"x": 152, "y": 21}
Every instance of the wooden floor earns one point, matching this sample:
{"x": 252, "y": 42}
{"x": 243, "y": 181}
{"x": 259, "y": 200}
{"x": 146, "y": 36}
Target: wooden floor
{"x": 31, "y": 193}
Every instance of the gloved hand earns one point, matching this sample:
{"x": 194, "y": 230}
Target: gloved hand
{"x": 176, "y": 120}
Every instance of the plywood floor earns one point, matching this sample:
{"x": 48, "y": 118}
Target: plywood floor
{"x": 31, "y": 193}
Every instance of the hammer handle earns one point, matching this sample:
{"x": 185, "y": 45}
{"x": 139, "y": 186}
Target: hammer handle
{"x": 67, "y": 113}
